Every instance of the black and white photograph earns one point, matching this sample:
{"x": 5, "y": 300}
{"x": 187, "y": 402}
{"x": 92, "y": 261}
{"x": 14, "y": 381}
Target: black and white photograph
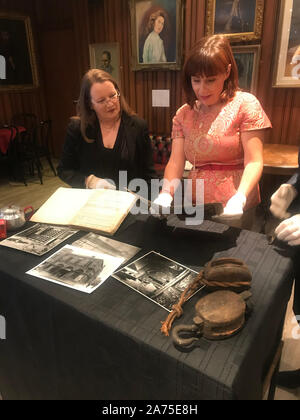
{"x": 99, "y": 243}
{"x": 38, "y": 239}
{"x": 158, "y": 278}
{"x": 77, "y": 268}
{"x": 106, "y": 56}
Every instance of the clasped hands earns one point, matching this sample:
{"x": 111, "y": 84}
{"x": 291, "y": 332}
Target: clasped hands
{"x": 289, "y": 229}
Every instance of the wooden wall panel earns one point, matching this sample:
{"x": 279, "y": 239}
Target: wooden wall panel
{"x": 281, "y": 104}
{"x": 110, "y": 22}
{"x": 52, "y": 24}
{"x": 89, "y": 21}
{"x": 80, "y": 48}
{"x": 59, "y": 91}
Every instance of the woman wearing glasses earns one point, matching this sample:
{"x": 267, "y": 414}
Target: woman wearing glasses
{"x": 105, "y": 137}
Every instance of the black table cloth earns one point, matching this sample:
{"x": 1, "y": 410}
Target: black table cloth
{"x": 64, "y": 344}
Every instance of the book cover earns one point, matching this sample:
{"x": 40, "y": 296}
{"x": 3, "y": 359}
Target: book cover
{"x": 100, "y": 210}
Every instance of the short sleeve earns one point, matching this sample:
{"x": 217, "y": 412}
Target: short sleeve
{"x": 177, "y": 127}
{"x": 253, "y": 117}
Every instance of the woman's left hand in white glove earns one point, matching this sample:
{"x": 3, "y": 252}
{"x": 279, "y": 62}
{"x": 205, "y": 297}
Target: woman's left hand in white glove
{"x": 289, "y": 230}
{"x": 93, "y": 182}
{"x": 234, "y": 206}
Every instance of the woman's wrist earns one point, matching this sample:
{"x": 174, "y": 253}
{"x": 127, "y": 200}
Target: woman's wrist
{"x": 88, "y": 180}
{"x": 242, "y": 196}
{"x": 166, "y": 190}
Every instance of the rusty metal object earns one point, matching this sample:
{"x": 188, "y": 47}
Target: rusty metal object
{"x": 219, "y": 315}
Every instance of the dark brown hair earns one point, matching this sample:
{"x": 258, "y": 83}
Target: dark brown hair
{"x": 85, "y": 112}
{"x": 209, "y": 57}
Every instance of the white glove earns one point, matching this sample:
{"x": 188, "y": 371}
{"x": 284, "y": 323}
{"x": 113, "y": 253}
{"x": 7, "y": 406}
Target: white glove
{"x": 103, "y": 183}
{"x": 289, "y": 230}
{"x": 281, "y": 200}
{"x": 163, "y": 200}
{"x": 93, "y": 182}
{"x": 234, "y": 206}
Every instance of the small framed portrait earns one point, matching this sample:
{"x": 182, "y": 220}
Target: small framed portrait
{"x": 240, "y": 20}
{"x": 247, "y": 58}
{"x": 106, "y": 56}
{"x": 287, "y": 55}
{"x": 156, "y": 34}
{"x": 18, "y": 70}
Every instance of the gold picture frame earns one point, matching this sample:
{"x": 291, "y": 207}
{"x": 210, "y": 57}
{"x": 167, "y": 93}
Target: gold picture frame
{"x": 247, "y": 58}
{"x": 19, "y": 70}
{"x": 287, "y": 54}
{"x": 153, "y": 50}
{"x": 239, "y": 21}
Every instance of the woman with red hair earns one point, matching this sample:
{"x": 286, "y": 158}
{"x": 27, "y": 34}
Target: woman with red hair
{"x": 220, "y": 131}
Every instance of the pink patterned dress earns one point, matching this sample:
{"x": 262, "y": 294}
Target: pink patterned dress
{"x": 212, "y": 144}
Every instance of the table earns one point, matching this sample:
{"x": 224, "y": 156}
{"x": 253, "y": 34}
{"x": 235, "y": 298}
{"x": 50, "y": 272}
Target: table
{"x": 280, "y": 162}
{"x": 6, "y": 136}
{"x": 64, "y": 344}
{"x": 280, "y": 159}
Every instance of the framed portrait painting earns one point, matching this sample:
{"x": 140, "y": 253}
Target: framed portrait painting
{"x": 240, "y": 20}
{"x": 18, "y": 69}
{"x": 287, "y": 55}
{"x": 106, "y": 56}
{"x": 156, "y": 34}
{"x": 247, "y": 59}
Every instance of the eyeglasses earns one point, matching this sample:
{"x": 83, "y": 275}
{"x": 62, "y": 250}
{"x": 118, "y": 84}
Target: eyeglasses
{"x": 113, "y": 98}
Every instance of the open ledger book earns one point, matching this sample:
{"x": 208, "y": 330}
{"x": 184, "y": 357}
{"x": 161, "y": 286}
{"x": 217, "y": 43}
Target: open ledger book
{"x": 97, "y": 210}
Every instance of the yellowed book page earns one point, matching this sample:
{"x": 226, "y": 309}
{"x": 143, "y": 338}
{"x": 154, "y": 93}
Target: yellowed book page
{"x": 105, "y": 210}
{"x": 62, "y": 206}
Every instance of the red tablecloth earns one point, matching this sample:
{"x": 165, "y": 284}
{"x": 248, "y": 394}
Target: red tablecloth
{"x": 5, "y": 137}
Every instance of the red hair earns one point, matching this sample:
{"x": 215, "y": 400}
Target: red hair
{"x": 209, "y": 57}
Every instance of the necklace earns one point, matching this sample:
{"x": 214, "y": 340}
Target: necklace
{"x": 109, "y": 133}
{"x": 111, "y": 127}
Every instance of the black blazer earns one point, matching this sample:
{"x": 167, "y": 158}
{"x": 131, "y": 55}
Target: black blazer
{"x": 80, "y": 159}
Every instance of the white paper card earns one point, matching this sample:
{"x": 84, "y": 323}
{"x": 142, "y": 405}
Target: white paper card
{"x": 161, "y": 98}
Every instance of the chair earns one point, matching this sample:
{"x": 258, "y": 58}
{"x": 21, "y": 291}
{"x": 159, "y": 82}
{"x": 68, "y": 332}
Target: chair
{"x": 25, "y": 157}
{"x": 26, "y": 126}
{"x": 45, "y": 142}
{"x": 6, "y": 154}
{"x": 29, "y": 121}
